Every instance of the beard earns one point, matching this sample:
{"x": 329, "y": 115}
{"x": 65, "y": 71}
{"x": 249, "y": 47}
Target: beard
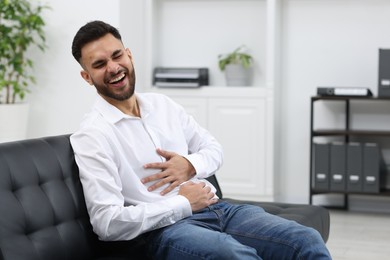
{"x": 126, "y": 92}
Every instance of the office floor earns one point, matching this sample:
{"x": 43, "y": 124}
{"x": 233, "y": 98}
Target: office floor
{"x": 358, "y": 236}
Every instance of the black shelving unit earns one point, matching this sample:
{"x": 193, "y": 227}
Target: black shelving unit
{"x": 346, "y": 133}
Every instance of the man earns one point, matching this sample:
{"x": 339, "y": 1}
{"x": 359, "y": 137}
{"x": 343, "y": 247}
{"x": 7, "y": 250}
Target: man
{"x": 142, "y": 164}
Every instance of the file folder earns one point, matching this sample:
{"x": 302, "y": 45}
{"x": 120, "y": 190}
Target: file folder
{"x": 384, "y": 73}
{"x": 354, "y": 167}
{"x": 321, "y": 167}
{"x": 337, "y": 166}
{"x": 371, "y": 168}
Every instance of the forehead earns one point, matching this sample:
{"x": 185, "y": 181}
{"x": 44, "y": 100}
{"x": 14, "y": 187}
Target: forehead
{"x": 101, "y": 48}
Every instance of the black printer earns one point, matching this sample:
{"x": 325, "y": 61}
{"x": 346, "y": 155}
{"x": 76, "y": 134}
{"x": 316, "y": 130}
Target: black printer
{"x": 180, "y": 77}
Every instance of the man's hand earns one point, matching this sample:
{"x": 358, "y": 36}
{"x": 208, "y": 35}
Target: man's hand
{"x": 198, "y": 194}
{"x": 175, "y": 170}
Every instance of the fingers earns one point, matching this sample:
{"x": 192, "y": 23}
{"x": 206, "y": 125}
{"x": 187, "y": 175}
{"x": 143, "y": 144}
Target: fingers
{"x": 213, "y": 201}
{"x": 174, "y": 171}
{"x": 154, "y": 177}
{"x": 170, "y": 188}
{"x": 156, "y": 165}
{"x": 199, "y": 195}
{"x": 210, "y": 195}
{"x": 177, "y": 183}
{"x": 163, "y": 180}
{"x": 166, "y": 154}
{"x": 206, "y": 190}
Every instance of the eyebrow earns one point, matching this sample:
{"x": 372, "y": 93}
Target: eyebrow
{"x": 116, "y": 53}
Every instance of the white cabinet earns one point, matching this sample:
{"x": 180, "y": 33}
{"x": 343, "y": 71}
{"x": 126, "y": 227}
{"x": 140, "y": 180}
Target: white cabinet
{"x": 242, "y": 122}
{"x": 195, "y": 106}
{"x": 238, "y": 123}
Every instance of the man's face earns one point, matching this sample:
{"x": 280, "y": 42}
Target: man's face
{"x": 108, "y": 66}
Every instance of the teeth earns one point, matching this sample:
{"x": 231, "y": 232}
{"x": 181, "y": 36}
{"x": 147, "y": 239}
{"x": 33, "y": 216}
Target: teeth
{"x": 121, "y": 76}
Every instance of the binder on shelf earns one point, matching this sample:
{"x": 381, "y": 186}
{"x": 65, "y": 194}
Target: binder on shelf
{"x": 384, "y": 73}
{"x": 337, "y": 166}
{"x": 344, "y": 91}
{"x": 372, "y": 167}
{"x": 354, "y": 167}
{"x": 321, "y": 167}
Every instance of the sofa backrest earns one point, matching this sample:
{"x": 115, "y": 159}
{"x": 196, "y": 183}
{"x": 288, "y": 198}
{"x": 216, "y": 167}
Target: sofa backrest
{"x": 42, "y": 208}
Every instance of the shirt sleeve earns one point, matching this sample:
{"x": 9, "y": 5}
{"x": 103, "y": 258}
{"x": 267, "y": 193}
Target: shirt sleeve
{"x": 205, "y": 152}
{"x": 110, "y": 217}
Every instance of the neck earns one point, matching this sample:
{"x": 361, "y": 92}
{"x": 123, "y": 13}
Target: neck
{"x": 129, "y": 106}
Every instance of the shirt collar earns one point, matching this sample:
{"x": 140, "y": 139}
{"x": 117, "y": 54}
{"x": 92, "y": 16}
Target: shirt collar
{"x": 114, "y": 115}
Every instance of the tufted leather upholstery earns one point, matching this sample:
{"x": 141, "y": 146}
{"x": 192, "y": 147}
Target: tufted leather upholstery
{"x": 43, "y": 214}
{"x": 42, "y": 211}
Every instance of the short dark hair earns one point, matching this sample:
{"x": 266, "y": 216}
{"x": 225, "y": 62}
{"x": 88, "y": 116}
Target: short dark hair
{"x": 90, "y": 32}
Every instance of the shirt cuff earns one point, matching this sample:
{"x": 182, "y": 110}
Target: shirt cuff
{"x": 181, "y": 206}
{"x": 197, "y": 161}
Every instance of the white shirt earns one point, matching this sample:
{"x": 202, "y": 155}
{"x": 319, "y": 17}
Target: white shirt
{"x": 111, "y": 149}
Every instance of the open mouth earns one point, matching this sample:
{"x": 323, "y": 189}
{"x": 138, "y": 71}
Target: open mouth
{"x": 118, "y": 78}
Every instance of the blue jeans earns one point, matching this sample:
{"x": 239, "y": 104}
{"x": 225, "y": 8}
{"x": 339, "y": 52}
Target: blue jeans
{"x": 226, "y": 231}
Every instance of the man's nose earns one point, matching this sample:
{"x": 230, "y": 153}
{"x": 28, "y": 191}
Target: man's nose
{"x": 112, "y": 67}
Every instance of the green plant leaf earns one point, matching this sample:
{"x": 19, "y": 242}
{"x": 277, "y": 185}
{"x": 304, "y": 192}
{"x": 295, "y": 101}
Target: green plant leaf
{"x": 21, "y": 27}
{"x": 237, "y": 56}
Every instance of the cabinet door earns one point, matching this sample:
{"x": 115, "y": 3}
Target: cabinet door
{"x": 240, "y": 125}
{"x": 196, "y": 107}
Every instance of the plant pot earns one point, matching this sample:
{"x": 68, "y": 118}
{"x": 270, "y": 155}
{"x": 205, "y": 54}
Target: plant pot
{"x": 13, "y": 122}
{"x": 237, "y": 75}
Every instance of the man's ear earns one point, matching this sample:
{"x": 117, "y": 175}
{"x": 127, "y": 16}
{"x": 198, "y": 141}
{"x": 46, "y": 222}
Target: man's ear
{"x": 86, "y": 77}
{"x": 129, "y": 54}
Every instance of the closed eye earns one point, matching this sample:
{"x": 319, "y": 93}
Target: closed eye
{"x": 98, "y": 64}
{"x": 117, "y": 54}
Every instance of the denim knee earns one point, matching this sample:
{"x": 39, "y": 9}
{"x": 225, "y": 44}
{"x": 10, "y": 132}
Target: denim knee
{"x": 310, "y": 245}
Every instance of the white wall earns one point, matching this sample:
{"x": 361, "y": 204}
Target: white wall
{"x": 61, "y": 97}
{"x": 325, "y": 43}
{"x": 132, "y": 17}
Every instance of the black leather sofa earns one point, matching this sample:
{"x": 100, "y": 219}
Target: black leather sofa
{"x": 43, "y": 214}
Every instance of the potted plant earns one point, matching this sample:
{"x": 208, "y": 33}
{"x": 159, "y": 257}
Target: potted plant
{"x": 237, "y": 66}
{"x": 21, "y": 27}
